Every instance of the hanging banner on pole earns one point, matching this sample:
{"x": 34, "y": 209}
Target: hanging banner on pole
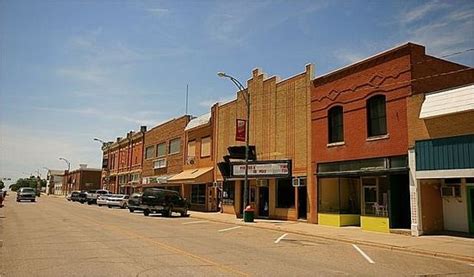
{"x": 240, "y": 129}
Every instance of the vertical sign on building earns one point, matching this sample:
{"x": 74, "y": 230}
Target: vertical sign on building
{"x": 240, "y": 129}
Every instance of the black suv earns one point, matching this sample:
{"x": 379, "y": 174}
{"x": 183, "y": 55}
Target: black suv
{"x": 79, "y": 196}
{"x": 164, "y": 202}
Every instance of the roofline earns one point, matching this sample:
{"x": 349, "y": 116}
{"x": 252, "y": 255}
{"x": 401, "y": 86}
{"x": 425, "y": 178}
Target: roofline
{"x": 369, "y": 59}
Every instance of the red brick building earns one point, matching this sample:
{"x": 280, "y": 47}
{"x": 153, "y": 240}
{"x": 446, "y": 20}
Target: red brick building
{"x": 360, "y": 138}
{"x": 83, "y": 179}
{"x": 122, "y": 162}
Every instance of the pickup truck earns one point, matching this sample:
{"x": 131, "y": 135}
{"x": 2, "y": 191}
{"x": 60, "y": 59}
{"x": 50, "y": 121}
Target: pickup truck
{"x": 164, "y": 202}
{"x": 92, "y": 195}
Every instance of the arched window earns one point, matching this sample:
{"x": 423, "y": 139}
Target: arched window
{"x": 335, "y": 124}
{"x": 376, "y": 116}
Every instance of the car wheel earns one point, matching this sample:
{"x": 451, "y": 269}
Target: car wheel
{"x": 131, "y": 210}
{"x": 184, "y": 212}
{"x": 146, "y": 212}
{"x": 100, "y": 205}
{"x": 33, "y": 200}
{"x": 169, "y": 211}
{"x": 18, "y": 200}
{"x": 89, "y": 203}
{"x": 109, "y": 206}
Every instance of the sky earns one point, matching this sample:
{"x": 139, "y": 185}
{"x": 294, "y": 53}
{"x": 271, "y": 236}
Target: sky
{"x": 74, "y": 70}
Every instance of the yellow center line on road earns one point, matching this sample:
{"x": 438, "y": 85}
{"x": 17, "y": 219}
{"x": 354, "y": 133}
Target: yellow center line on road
{"x": 179, "y": 251}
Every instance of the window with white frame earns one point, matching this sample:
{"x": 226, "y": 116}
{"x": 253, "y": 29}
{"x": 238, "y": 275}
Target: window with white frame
{"x": 149, "y": 152}
{"x": 175, "y": 146}
{"x": 161, "y": 149}
{"x": 161, "y": 163}
{"x": 206, "y": 147}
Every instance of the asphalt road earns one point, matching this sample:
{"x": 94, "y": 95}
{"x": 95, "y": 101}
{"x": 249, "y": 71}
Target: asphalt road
{"x": 54, "y": 237}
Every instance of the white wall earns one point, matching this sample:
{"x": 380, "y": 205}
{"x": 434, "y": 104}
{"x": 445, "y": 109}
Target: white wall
{"x": 455, "y": 212}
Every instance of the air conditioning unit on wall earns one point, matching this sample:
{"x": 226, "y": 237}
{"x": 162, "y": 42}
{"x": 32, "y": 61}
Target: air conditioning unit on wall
{"x": 451, "y": 191}
{"x": 191, "y": 160}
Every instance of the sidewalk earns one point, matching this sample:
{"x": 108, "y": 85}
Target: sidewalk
{"x": 450, "y": 247}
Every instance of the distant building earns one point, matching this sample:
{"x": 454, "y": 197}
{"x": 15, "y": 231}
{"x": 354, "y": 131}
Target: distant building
{"x": 122, "y": 163}
{"x": 83, "y": 179}
{"x": 54, "y": 183}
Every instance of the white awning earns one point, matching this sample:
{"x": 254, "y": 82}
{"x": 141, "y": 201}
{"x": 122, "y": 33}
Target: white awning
{"x": 446, "y": 102}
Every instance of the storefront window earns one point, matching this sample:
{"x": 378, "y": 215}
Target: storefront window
{"x": 339, "y": 195}
{"x": 375, "y": 196}
{"x": 198, "y": 194}
{"x": 228, "y": 191}
{"x": 285, "y": 197}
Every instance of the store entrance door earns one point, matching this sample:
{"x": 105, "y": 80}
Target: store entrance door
{"x": 470, "y": 206}
{"x": 263, "y": 205}
{"x": 302, "y": 202}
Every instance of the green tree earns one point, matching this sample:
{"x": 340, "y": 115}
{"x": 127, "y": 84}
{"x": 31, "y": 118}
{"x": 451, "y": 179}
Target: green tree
{"x": 2, "y": 185}
{"x": 31, "y": 182}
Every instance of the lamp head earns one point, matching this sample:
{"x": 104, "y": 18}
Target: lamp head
{"x": 221, "y": 74}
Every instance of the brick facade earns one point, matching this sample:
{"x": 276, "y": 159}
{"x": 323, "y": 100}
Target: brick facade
{"x": 82, "y": 179}
{"x": 279, "y": 129}
{"x": 164, "y": 133}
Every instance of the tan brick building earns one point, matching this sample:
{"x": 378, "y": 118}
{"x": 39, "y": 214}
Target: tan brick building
{"x": 441, "y": 146}
{"x": 163, "y": 154}
{"x": 280, "y": 130}
{"x": 197, "y": 178}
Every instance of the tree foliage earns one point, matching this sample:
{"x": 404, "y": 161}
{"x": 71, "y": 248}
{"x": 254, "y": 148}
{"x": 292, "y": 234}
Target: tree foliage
{"x": 2, "y": 185}
{"x": 31, "y": 182}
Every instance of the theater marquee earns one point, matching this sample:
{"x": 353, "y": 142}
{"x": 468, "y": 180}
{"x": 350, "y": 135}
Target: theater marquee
{"x": 280, "y": 169}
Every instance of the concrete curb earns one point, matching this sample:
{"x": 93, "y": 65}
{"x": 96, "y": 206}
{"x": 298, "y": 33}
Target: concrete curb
{"x": 397, "y": 248}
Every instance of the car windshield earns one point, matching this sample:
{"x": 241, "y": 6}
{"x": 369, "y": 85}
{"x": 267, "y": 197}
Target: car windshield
{"x": 27, "y": 190}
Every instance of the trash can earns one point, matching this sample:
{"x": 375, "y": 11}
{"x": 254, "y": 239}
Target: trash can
{"x": 249, "y": 214}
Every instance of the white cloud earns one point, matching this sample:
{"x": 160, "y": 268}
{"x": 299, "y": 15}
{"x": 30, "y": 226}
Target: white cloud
{"x": 25, "y": 150}
{"x": 421, "y": 11}
{"x": 444, "y": 33}
{"x": 158, "y": 11}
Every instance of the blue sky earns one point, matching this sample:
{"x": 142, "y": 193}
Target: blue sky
{"x": 74, "y": 70}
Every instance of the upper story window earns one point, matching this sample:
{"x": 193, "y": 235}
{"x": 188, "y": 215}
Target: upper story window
{"x": 335, "y": 124}
{"x": 175, "y": 146}
{"x": 149, "y": 152}
{"x": 376, "y": 116}
{"x": 191, "y": 148}
{"x": 206, "y": 147}
{"x": 161, "y": 149}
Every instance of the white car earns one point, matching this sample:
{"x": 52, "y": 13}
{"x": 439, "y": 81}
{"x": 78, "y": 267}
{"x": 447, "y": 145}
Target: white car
{"x": 102, "y": 200}
{"x": 117, "y": 200}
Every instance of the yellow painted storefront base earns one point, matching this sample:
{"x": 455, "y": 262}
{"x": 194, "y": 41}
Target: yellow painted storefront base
{"x": 339, "y": 220}
{"x": 376, "y": 224}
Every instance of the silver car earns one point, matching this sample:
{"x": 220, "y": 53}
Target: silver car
{"x": 26, "y": 194}
{"x": 117, "y": 200}
{"x": 102, "y": 199}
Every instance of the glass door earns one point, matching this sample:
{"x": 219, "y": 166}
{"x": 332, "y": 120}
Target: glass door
{"x": 369, "y": 195}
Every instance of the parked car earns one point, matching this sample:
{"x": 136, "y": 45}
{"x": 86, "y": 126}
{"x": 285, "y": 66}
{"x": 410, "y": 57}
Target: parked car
{"x": 26, "y": 193}
{"x": 102, "y": 199}
{"x": 75, "y": 196}
{"x": 92, "y": 195}
{"x": 164, "y": 202}
{"x": 68, "y": 196}
{"x": 117, "y": 200}
{"x": 134, "y": 202}
{"x": 83, "y": 197}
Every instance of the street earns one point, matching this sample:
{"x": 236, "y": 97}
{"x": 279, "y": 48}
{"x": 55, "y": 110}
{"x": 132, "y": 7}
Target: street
{"x": 54, "y": 237}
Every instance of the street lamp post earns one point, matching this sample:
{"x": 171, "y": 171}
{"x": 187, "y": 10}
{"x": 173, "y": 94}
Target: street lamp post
{"x": 247, "y": 101}
{"x": 68, "y": 169}
{"x": 107, "y": 172}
